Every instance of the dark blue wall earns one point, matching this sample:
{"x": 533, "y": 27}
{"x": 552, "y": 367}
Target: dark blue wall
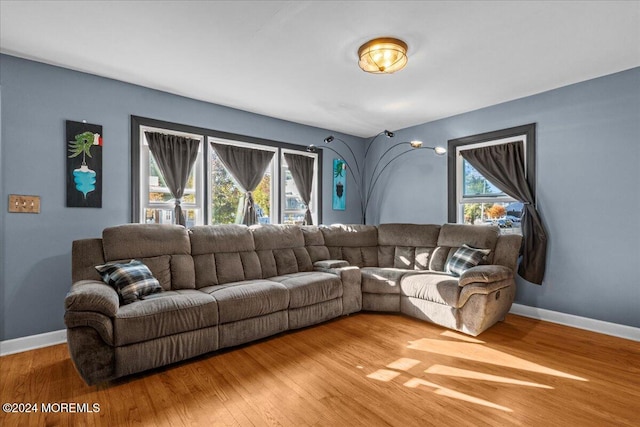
{"x": 588, "y": 190}
{"x": 36, "y": 101}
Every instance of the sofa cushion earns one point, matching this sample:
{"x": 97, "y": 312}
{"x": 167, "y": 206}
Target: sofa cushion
{"x": 164, "y": 314}
{"x": 207, "y": 239}
{"x": 361, "y": 257}
{"x": 281, "y": 249}
{"x": 309, "y": 288}
{"x": 416, "y": 235}
{"x": 431, "y": 286}
{"x": 378, "y": 280}
{"x": 356, "y": 235}
{"x": 247, "y": 299}
{"x": 464, "y": 258}
{"x": 135, "y": 241}
{"x": 406, "y": 246}
{"x": 237, "y": 266}
{"x": 286, "y": 262}
{"x": 132, "y": 280}
{"x": 277, "y": 236}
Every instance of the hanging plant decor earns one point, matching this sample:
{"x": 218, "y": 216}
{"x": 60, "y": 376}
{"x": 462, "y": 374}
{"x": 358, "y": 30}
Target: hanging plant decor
{"x": 84, "y": 165}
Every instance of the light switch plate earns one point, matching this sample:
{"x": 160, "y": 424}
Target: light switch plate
{"x": 19, "y": 203}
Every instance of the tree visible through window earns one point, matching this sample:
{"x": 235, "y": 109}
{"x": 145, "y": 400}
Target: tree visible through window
{"x": 478, "y": 207}
{"x": 225, "y": 195}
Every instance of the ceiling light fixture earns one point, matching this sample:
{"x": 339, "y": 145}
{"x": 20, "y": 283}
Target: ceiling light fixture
{"x": 384, "y": 55}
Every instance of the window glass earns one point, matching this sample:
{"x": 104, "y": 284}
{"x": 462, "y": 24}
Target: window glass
{"x": 226, "y": 195}
{"x": 474, "y": 184}
{"x": 506, "y": 215}
{"x": 158, "y": 190}
{"x": 294, "y": 207}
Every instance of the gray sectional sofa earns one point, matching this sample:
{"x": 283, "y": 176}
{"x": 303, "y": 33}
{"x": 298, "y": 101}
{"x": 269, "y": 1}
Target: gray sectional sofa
{"x": 227, "y": 285}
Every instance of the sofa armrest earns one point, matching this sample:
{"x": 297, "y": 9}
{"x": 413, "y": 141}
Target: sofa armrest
{"x": 351, "y": 279}
{"x": 485, "y": 274}
{"x": 92, "y": 295}
{"x": 98, "y": 321}
{"x": 330, "y": 263}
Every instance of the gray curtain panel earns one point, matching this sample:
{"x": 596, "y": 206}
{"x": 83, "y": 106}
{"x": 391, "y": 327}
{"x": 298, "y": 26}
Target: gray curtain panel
{"x": 301, "y": 168}
{"x": 503, "y": 165}
{"x": 247, "y": 166}
{"x": 175, "y": 156}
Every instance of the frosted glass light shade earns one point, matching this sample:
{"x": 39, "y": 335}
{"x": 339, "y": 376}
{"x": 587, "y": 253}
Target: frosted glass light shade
{"x": 383, "y": 55}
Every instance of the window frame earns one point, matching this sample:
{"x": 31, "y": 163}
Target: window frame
{"x": 454, "y": 164}
{"x": 265, "y": 144}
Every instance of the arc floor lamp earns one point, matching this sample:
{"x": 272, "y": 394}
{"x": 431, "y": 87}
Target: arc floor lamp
{"x": 365, "y": 192}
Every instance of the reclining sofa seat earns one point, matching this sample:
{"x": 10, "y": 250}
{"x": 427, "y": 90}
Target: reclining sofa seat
{"x": 403, "y": 270}
{"x": 226, "y": 285}
{"x": 107, "y": 340}
{"x": 223, "y": 286}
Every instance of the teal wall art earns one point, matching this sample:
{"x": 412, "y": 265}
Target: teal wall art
{"x": 84, "y": 165}
{"x": 339, "y": 185}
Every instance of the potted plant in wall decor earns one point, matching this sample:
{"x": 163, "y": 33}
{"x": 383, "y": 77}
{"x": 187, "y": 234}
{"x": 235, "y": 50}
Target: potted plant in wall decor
{"x": 84, "y": 165}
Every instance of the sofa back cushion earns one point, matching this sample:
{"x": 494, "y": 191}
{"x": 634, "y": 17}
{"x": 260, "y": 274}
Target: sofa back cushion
{"x": 314, "y": 242}
{"x": 408, "y": 246}
{"x": 223, "y": 254}
{"x": 281, "y": 249}
{"x": 357, "y": 244}
{"x": 454, "y": 236}
{"x": 165, "y": 249}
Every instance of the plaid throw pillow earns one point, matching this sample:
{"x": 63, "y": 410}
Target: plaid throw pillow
{"x": 132, "y": 280}
{"x": 464, "y": 258}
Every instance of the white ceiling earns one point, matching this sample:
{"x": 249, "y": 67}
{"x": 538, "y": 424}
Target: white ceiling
{"x": 297, "y": 60}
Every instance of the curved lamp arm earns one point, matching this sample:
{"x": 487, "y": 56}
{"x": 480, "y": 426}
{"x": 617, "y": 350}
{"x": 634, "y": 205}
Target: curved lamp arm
{"x": 382, "y": 157}
{"x": 371, "y": 188}
{"x": 313, "y": 149}
{"x": 385, "y": 132}
{"x": 331, "y": 138}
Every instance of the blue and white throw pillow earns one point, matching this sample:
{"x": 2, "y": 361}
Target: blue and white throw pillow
{"x": 132, "y": 280}
{"x": 464, "y": 258}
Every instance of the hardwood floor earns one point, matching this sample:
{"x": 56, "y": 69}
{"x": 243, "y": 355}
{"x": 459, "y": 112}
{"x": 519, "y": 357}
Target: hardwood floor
{"x": 362, "y": 370}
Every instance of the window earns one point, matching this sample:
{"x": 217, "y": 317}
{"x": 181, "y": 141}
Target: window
{"x": 212, "y": 196}
{"x": 473, "y": 199}
{"x": 156, "y": 201}
{"x": 293, "y": 207}
{"x": 226, "y": 194}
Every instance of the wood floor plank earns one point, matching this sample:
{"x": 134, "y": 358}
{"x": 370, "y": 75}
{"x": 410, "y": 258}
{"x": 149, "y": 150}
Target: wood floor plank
{"x": 368, "y": 369}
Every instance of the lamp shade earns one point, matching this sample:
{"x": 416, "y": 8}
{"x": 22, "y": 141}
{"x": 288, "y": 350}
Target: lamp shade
{"x": 383, "y": 55}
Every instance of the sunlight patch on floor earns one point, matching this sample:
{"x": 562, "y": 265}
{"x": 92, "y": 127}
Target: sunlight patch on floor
{"x": 474, "y": 375}
{"x": 443, "y": 391}
{"x": 385, "y": 375}
{"x": 403, "y": 364}
{"x": 462, "y": 337}
{"x": 480, "y": 353}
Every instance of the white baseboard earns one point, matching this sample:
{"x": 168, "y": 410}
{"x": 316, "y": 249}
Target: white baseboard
{"x": 32, "y": 342}
{"x": 600, "y": 326}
